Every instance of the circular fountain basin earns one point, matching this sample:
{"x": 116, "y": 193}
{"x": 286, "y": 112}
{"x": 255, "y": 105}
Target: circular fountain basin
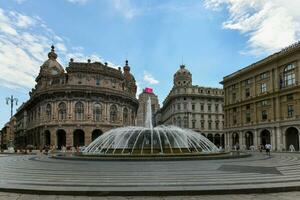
{"x": 149, "y": 143}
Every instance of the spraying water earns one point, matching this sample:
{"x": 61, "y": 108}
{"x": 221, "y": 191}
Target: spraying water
{"x": 148, "y": 121}
{"x": 149, "y": 140}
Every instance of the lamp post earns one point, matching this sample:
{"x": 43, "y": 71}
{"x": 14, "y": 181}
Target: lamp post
{"x": 1, "y": 144}
{"x": 10, "y": 100}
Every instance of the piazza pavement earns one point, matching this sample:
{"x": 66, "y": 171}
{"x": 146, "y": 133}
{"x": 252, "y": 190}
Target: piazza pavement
{"x": 40, "y": 174}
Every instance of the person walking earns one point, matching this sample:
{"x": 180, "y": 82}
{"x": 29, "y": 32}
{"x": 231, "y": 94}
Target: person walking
{"x": 292, "y": 148}
{"x": 268, "y": 149}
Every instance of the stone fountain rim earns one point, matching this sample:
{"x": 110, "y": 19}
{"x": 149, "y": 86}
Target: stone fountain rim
{"x": 152, "y": 157}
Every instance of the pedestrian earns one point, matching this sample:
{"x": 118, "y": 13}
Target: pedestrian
{"x": 292, "y": 148}
{"x": 268, "y": 149}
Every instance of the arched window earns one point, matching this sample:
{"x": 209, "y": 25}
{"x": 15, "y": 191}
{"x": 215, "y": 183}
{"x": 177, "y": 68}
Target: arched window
{"x": 62, "y": 111}
{"x": 97, "y": 112}
{"x": 79, "y": 110}
{"x": 132, "y": 117}
{"x": 48, "y": 112}
{"x": 113, "y": 113}
{"x": 125, "y": 116}
{"x": 185, "y": 122}
{"x": 178, "y": 121}
{"x": 289, "y": 75}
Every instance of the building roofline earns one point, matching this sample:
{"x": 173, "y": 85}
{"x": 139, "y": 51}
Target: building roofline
{"x": 285, "y": 51}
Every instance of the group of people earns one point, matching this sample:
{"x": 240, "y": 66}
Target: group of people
{"x": 51, "y": 148}
{"x": 267, "y": 147}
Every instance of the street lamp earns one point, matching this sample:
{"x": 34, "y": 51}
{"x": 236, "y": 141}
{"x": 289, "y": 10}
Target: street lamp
{"x": 10, "y": 100}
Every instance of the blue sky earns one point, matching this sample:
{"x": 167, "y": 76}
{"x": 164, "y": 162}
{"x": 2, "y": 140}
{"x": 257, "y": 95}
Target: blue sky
{"x": 213, "y": 38}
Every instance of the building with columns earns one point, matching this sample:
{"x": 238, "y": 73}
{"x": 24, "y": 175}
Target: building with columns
{"x": 143, "y": 98}
{"x": 262, "y": 102}
{"x": 73, "y": 106}
{"x": 193, "y": 107}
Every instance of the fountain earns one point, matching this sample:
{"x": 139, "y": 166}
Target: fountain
{"x": 161, "y": 140}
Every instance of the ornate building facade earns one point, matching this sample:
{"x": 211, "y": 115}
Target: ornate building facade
{"x": 262, "y": 102}
{"x": 194, "y": 107}
{"x": 143, "y": 98}
{"x": 72, "y": 107}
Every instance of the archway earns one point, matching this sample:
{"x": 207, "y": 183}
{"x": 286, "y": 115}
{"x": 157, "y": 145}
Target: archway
{"x": 217, "y": 140}
{"x": 292, "y": 137}
{"x": 210, "y": 137}
{"x": 78, "y": 138}
{"x": 61, "y": 138}
{"x": 265, "y": 137}
{"x": 47, "y": 138}
{"x": 235, "y": 139}
{"x": 248, "y": 139}
{"x": 223, "y": 140}
{"x": 96, "y": 133}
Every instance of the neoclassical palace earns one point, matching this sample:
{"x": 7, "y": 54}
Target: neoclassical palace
{"x": 72, "y": 107}
{"x": 262, "y": 102}
{"x": 194, "y": 107}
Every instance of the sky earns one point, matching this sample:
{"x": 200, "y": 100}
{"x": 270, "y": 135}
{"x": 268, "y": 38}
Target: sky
{"x": 213, "y": 38}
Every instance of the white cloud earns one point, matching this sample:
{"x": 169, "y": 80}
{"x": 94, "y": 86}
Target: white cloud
{"x": 25, "y": 42}
{"x": 269, "y": 25}
{"x": 80, "y": 2}
{"x": 126, "y": 8}
{"x": 20, "y": 1}
{"x": 148, "y": 78}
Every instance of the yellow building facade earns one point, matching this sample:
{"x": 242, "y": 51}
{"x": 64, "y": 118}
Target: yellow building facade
{"x": 262, "y": 102}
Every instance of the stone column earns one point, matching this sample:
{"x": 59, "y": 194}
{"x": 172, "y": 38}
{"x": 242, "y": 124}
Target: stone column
{"x": 278, "y": 139}
{"x": 255, "y": 139}
{"x": 241, "y": 138}
{"x": 273, "y": 141}
{"x": 69, "y": 137}
{"x": 53, "y": 137}
{"x": 87, "y": 136}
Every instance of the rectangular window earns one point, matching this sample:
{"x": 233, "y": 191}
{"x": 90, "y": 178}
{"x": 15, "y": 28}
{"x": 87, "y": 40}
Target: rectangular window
{"x": 202, "y": 124}
{"x": 263, "y": 75}
{"x": 216, "y": 107}
{"x": 209, "y": 116}
{"x": 217, "y": 125}
{"x": 193, "y": 106}
{"x": 193, "y": 124}
{"x": 290, "y": 110}
{"x": 264, "y": 103}
{"x": 209, "y": 125}
{"x": 247, "y": 92}
{"x": 263, "y": 87}
{"x": 209, "y": 107}
{"x": 113, "y": 83}
{"x": 248, "y": 117}
{"x": 264, "y": 115}
{"x": 184, "y": 106}
{"x": 202, "y": 107}
{"x": 247, "y": 82}
{"x": 97, "y": 81}
{"x": 234, "y": 119}
{"x": 178, "y": 106}
{"x": 290, "y": 97}
{"x": 233, "y": 97}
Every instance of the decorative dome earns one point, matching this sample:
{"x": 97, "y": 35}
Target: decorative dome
{"x": 51, "y": 66}
{"x": 130, "y": 80}
{"x": 182, "y": 77}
